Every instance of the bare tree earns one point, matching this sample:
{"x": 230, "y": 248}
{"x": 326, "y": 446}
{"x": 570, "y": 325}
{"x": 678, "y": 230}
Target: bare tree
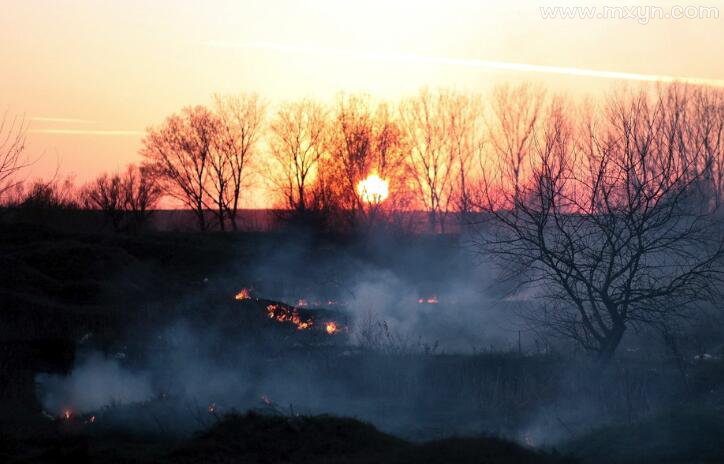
{"x": 124, "y": 199}
{"x": 106, "y": 195}
{"x": 513, "y": 125}
{"x": 350, "y": 151}
{"x": 391, "y": 149}
{"x": 605, "y": 222}
{"x": 241, "y": 119}
{"x": 219, "y": 185}
{"x": 464, "y": 116}
{"x": 297, "y": 141}
{"x": 12, "y": 145}
{"x": 364, "y": 140}
{"x": 443, "y": 132}
{"x": 141, "y": 193}
{"x": 698, "y": 128}
{"x": 179, "y": 152}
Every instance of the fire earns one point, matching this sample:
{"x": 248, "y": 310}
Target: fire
{"x": 67, "y": 414}
{"x": 331, "y": 328}
{"x": 244, "y": 294}
{"x": 431, "y": 300}
{"x": 282, "y": 314}
{"x": 373, "y": 189}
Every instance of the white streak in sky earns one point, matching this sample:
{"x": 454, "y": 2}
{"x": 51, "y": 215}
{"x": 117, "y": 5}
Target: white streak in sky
{"x": 61, "y": 120}
{"x": 87, "y": 132}
{"x": 471, "y": 63}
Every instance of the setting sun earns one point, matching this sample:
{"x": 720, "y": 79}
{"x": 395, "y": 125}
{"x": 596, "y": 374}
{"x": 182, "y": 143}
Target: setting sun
{"x": 373, "y": 189}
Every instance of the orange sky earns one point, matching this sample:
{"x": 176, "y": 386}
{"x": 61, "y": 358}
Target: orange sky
{"x": 90, "y": 76}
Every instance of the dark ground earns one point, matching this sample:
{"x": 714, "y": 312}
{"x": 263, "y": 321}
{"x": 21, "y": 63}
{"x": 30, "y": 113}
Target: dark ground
{"x": 57, "y": 287}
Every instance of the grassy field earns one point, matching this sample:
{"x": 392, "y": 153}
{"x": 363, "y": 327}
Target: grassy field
{"x": 65, "y": 293}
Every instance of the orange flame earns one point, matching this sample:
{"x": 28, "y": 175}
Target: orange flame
{"x": 244, "y": 294}
{"x": 331, "y": 328}
{"x": 282, "y": 314}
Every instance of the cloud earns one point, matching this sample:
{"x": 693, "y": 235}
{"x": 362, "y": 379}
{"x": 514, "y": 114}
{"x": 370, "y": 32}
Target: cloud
{"x": 470, "y": 63}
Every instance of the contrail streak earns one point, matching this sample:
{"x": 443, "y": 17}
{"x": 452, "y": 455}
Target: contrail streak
{"x": 471, "y": 63}
{"x": 63, "y": 120}
{"x": 87, "y": 132}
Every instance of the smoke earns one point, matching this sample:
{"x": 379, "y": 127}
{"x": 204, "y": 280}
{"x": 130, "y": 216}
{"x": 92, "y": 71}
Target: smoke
{"x": 403, "y": 301}
{"x": 96, "y": 382}
{"x": 431, "y": 291}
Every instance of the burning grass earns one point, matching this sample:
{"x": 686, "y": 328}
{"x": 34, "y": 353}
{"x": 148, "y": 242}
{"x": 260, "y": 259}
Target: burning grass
{"x": 288, "y": 314}
{"x": 300, "y": 317}
{"x": 243, "y": 294}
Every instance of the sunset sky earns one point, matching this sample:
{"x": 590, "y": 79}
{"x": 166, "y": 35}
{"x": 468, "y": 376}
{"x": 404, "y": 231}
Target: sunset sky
{"x": 90, "y": 76}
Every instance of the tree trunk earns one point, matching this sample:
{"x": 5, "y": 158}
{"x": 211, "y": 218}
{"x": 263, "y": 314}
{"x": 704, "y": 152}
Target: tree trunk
{"x": 610, "y": 343}
{"x": 232, "y": 215}
{"x": 222, "y": 222}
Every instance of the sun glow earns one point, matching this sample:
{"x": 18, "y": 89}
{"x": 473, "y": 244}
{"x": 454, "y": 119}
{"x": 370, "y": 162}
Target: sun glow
{"x": 373, "y": 189}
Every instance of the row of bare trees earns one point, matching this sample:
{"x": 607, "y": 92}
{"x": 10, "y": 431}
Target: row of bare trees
{"x": 312, "y": 156}
{"x": 434, "y": 147}
{"x": 126, "y": 199}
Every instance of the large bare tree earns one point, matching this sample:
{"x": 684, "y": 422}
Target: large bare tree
{"x": 604, "y": 220}
{"x": 180, "y": 152}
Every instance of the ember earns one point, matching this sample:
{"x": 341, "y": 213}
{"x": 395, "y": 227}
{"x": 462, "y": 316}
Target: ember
{"x": 244, "y": 294}
{"x": 331, "y": 328}
{"x": 431, "y": 300}
{"x": 67, "y": 414}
